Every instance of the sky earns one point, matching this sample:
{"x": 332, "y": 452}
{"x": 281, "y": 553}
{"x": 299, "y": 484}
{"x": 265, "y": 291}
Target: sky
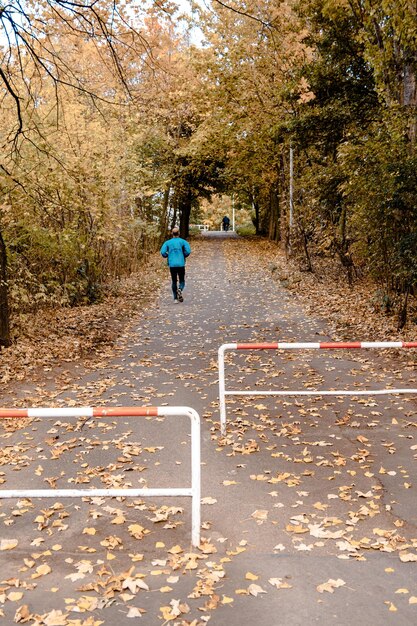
{"x": 184, "y": 6}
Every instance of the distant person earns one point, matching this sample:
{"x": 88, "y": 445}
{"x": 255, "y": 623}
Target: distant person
{"x": 226, "y": 223}
{"x": 176, "y": 251}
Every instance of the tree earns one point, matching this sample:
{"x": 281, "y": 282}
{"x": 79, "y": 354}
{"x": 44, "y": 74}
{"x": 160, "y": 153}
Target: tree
{"x": 71, "y": 75}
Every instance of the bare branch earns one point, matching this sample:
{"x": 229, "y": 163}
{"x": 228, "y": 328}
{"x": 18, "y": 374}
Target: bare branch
{"x": 243, "y": 13}
{"x": 15, "y": 98}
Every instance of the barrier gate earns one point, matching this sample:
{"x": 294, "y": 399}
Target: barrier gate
{"x": 383, "y": 345}
{"x": 92, "y": 412}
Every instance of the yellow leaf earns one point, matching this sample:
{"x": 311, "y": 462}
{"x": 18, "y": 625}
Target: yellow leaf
{"x": 320, "y": 507}
{"x": 412, "y": 600}
{"x": 330, "y": 585}
{"x": 42, "y": 570}
{"x": 89, "y": 531}
{"x": 402, "y": 591}
{"x": 260, "y": 515}
{"x": 8, "y": 544}
{"x": 298, "y": 529}
{"x": 250, "y": 576}
{"x": 167, "y": 613}
{"x": 165, "y": 589}
{"x": 176, "y": 550}
{"x": 227, "y": 483}
{"x": 137, "y": 531}
{"x": 227, "y": 600}
{"x": 14, "y": 596}
{"x": 159, "y": 544}
{"x": 55, "y": 618}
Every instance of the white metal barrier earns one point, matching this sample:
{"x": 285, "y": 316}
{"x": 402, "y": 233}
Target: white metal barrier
{"x": 193, "y": 491}
{"x": 302, "y": 346}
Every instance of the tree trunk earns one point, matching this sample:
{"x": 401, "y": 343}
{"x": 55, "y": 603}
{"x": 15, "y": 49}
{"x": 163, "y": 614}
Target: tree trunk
{"x": 4, "y": 302}
{"x": 256, "y": 207}
{"x": 185, "y": 212}
{"x": 165, "y": 212}
{"x": 410, "y": 101}
{"x": 274, "y": 214}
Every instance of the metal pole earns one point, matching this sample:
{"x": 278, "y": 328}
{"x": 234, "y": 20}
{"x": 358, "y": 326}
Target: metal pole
{"x": 222, "y": 398}
{"x": 222, "y": 384}
{"x": 195, "y": 477}
{"x": 233, "y": 213}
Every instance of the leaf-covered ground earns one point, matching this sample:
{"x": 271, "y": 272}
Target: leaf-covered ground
{"x": 308, "y": 505}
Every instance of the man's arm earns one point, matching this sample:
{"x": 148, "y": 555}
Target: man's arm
{"x": 186, "y": 249}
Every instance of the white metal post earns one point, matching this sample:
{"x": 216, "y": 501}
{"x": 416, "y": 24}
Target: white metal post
{"x": 222, "y": 384}
{"x": 195, "y": 477}
{"x": 222, "y": 399}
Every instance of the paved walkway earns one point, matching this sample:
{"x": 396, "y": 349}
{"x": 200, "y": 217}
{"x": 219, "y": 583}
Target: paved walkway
{"x": 309, "y": 506}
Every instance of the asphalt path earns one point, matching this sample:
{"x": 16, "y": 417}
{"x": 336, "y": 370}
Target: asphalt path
{"x": 308, "y": 505}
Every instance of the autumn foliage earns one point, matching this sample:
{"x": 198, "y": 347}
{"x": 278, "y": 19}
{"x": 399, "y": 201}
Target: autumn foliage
{"x": 115, "y": 125}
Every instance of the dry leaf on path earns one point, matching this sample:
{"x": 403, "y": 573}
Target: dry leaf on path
{"x": 330, "y": 585}
{"x": 8, "y": 544}
{"x": 255, "y": 590}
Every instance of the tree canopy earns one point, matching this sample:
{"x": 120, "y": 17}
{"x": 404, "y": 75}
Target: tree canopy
{"x": 115, "y": 126}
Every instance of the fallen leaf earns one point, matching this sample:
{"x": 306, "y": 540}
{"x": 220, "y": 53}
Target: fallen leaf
{"x": 14, "y": 596}
{"x": 8, "y": 544}
{"x": 135, "y": 612}
{"x": 330, "y": 585}
{"x": 23, "y": 614}
{"x": 42, "y": 570}
{"x": 261, "y": 515}
{"x": 208, "y": 500}
{"x": 227, "y": 600}
{"x": 255, "y": 590}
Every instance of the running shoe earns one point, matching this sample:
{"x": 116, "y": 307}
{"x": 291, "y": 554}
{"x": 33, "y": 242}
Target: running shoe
{"x": 179, "y": 294}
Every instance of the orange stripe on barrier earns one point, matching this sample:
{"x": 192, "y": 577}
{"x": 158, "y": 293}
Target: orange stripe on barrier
{"x": 410, "y": 344}
{"x": 5, "y": 413}
{"x": 125, "y": 411}
{"x": 257, "y": 346}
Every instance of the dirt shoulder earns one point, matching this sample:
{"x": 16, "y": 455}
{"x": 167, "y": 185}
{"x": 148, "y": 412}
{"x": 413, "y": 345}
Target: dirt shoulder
{"x": 49, "y": 338}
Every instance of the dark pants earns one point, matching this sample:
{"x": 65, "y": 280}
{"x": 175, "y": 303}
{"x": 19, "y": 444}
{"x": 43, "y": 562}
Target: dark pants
{"x": 177, "y": 274}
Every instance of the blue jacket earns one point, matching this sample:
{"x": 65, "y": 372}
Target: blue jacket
{"x": 176, "y": 251}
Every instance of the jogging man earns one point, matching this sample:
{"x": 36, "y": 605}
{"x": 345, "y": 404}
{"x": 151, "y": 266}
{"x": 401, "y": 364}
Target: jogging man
{"x": 176, "y": 251}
